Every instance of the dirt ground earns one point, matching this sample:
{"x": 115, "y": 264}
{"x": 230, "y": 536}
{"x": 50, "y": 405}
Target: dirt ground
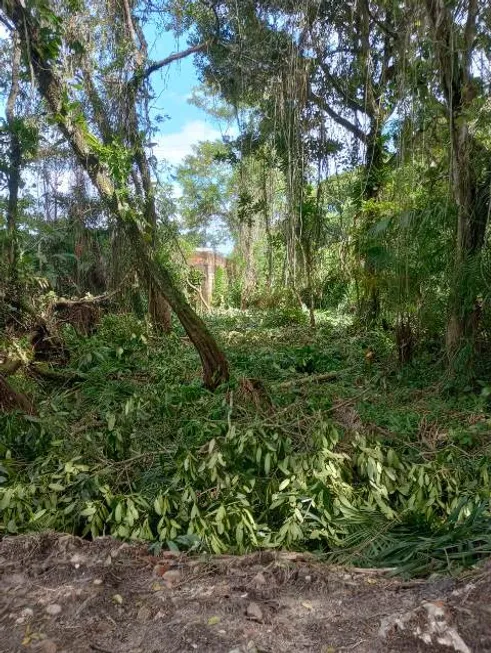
{"x": 62, "y": 594}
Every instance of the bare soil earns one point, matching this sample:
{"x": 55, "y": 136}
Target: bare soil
{"x": 63, "y": 594}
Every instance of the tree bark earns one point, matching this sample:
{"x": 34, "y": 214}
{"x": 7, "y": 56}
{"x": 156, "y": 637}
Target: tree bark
{"x": 118, "y": 200}
{"x": 158, "y": 307}
{"x": 159, "y": 310}
{"x": 15, "y": 162}
{"x": 370, "y": 300}
{"x": 267, "y": 224}
{"x": 471, "y": 193}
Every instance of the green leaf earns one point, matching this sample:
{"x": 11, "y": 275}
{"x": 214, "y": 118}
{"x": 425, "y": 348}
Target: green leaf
{"x": 56, "y": 487}
{"x": 111, "y": 421}
{"x": 118, "y": 513}
{"x": 284, "y": 484}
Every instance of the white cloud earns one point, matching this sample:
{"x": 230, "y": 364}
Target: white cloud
{"x": 174, "y": 147}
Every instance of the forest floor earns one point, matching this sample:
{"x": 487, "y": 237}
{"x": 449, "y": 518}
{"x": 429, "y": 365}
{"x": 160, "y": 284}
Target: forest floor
{"x": 132, "y": 445}
{"x": 61, "y": 593}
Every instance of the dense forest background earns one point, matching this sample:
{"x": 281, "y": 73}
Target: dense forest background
{"x": 346, "y": 355}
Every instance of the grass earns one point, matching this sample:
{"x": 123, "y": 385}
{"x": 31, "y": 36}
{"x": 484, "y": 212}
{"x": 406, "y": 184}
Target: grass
{"x": 139, "y": 449}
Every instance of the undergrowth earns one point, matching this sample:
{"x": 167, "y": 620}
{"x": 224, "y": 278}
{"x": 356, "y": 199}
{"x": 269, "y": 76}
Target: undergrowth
{"x": 376, "y": 465}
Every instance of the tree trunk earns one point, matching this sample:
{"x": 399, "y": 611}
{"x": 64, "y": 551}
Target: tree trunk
{"x": 15, "y": 161}
{"x": 117, "y": 199}
{"x": 159, "y": 310}
{"x": 370, "y": 300}
{"x": 158, "y": 307}
{"x": 470, "y": 190}
{"x": 267, "y": 226}
{"x": 215, "y": 365}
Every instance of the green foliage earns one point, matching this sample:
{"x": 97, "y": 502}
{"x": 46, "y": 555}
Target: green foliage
{"x": 139, "y": 450}
{"x": 284, "y": 316}
{"x": 118, "y": 159}
{"x": 220, "y": 287}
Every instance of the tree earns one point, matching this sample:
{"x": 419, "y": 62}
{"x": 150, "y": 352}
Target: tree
{"x": 14, "y": 172}
{"x": 208, "y": 202}
{"x": 109, "y": 167}
{"x": 455, "y": 40}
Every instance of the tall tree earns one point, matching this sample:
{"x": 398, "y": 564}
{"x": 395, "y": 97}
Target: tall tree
{"x": 14, "y": 174}
{"x": 455, "y": 28}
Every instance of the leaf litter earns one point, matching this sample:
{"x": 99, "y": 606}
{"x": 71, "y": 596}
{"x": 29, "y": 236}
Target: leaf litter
{"x": 215, "y": 603}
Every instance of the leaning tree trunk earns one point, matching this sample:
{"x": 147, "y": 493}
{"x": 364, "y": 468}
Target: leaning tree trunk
{"x": 159, "y": 309}
{"x": 118, "y": 201}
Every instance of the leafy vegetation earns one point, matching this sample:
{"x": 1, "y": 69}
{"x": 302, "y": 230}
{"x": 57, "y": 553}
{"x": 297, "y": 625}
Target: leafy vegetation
{"x": 140, "y": 450}
{"x": 343, "y": 400}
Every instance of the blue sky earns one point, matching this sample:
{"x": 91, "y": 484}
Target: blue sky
{"x": 187, "y": 124}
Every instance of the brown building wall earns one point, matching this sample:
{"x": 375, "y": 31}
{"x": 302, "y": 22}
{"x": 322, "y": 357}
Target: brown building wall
{"x": 207, "y": 261}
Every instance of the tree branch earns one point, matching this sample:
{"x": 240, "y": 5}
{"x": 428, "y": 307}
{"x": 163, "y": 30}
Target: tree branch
{"x": 344, "y": 122}
{"x": 469, "y": 37}
{"x": 157, "y": 65}
{"x": 350, "y": 102}
{"x": 383, "y": 26}
{"x": 6, "y": 24}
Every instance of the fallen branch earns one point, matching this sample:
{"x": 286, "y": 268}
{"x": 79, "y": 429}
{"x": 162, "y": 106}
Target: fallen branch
{"x": 45, "y": 371}
{"x": 313, "y": 378}
{"x": 200, "y": 295}
{"x": 66, "y": 303}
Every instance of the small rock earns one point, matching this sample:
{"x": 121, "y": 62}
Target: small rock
{"x": 25, "y": 615}
{"x": 259, "y": 579}
{"x": 46, "y": 646}
{"x": 172, "y": 576}
{"x": 97, "y": 581}
{"x": 77, "y": 560}
{"x": 117, "y": 598}
{"x": 254, "y": 612}
{"x": 53, "y": 609}
{"x": 144, "y": 614}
